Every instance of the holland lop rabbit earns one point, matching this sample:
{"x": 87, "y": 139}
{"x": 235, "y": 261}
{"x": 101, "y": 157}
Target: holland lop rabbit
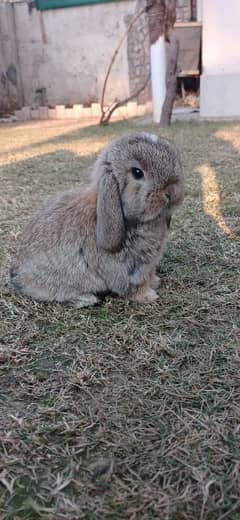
{"x": 107, "y": 236}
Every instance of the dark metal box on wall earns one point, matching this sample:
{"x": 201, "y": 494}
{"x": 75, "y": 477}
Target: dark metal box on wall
{"x": 189, "y": 59}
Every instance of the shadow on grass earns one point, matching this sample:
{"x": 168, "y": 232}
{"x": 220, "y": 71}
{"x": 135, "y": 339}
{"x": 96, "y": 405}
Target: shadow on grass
{"x": 89, "y": 134}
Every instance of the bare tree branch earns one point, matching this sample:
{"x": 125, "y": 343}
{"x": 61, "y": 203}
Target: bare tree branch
{"x": 103, "y": 112}
{"x": 105, "y": 117}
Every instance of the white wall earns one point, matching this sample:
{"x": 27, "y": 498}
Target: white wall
{"x": 67, "y": 51}
{"x": 199, "y": 10}
{"x": 220, "y": 82}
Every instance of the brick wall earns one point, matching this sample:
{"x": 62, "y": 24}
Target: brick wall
{"x": 186, "y": 10}
{"x": 138, "y": 51}
{"x": 10, "y": 83}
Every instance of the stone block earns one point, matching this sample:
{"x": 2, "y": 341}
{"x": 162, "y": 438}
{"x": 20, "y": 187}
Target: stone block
{"x": 132, "y": 109}
{"x": 35, "y": 114}
{"x": 52, "y": 113}
{"x": 141, "y": 110}
{"x": 60, "y": 112}
{"x": 43, "y": 112}
{"x": 148, "y": 107}
{"x": 117, "y": 114}
{"x": 86, "y": 112}
{"x": 69, "y": 113}
{"x": 77, "y": 111}
{"x": 19, "y": 115}
{"x": 96, "y": 109}
{"x": 26, "y": 113}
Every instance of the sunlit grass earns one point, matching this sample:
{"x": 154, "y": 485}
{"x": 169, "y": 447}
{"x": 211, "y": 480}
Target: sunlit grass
{"x": 211, "y": 198}
{"x": 231, "y": 136}
{"x": 38, "y": 139}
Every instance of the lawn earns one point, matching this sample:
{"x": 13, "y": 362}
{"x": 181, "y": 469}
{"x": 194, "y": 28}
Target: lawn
{"x": 125, "y": 412}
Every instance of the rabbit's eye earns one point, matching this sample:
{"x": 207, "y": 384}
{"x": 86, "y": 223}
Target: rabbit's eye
{"x": 137, "y": 173}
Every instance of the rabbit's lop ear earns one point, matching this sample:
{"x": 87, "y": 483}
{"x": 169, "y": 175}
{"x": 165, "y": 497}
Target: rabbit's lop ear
{"x": 110, "y": 219}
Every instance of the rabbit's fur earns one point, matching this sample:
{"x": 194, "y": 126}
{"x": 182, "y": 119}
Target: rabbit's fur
{"x": 106, "y": 236}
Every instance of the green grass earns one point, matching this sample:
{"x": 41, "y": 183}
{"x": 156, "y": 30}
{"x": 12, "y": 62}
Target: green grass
{"x": 125, "y": 412}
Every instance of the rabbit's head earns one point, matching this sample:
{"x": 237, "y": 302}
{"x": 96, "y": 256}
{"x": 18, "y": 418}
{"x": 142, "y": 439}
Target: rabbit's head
{"x": 139, "y": 179}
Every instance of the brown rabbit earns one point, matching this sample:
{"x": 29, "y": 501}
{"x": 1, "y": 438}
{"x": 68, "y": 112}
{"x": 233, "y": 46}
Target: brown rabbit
{"x": 106, "y": 236}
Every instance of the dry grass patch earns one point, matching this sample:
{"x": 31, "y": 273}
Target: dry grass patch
{"x": 125, "y": 412}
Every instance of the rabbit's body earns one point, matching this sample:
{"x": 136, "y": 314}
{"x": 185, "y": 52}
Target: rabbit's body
{"x": 51, "y": 246}
{"x": 99, "y": 239}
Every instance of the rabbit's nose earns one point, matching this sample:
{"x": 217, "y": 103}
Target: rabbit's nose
{"x": 174, "y": 193}
{"x": 157, "y": 200}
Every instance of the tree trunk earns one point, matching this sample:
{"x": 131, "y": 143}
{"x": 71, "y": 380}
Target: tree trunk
{"x": 161, "y": 19}
{"x": 171, "y": 80}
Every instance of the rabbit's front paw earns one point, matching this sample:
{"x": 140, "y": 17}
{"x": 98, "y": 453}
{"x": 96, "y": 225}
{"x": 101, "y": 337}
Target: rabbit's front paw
{"x": 155, "y": 282}
{"x": 85, "y": 300}
{"x": 147, "y": 295}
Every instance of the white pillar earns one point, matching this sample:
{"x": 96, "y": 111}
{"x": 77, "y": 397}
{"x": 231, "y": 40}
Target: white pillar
{"x": 220, "y": 80}
{"x": 158, "y": 75}
{"x": 199, "y": 10}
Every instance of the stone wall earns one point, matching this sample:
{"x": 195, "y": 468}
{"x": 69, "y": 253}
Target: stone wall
{"x": 138, "y": 51}
{"x": 186, "y": 10}
{"x": 10, "y": 81}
